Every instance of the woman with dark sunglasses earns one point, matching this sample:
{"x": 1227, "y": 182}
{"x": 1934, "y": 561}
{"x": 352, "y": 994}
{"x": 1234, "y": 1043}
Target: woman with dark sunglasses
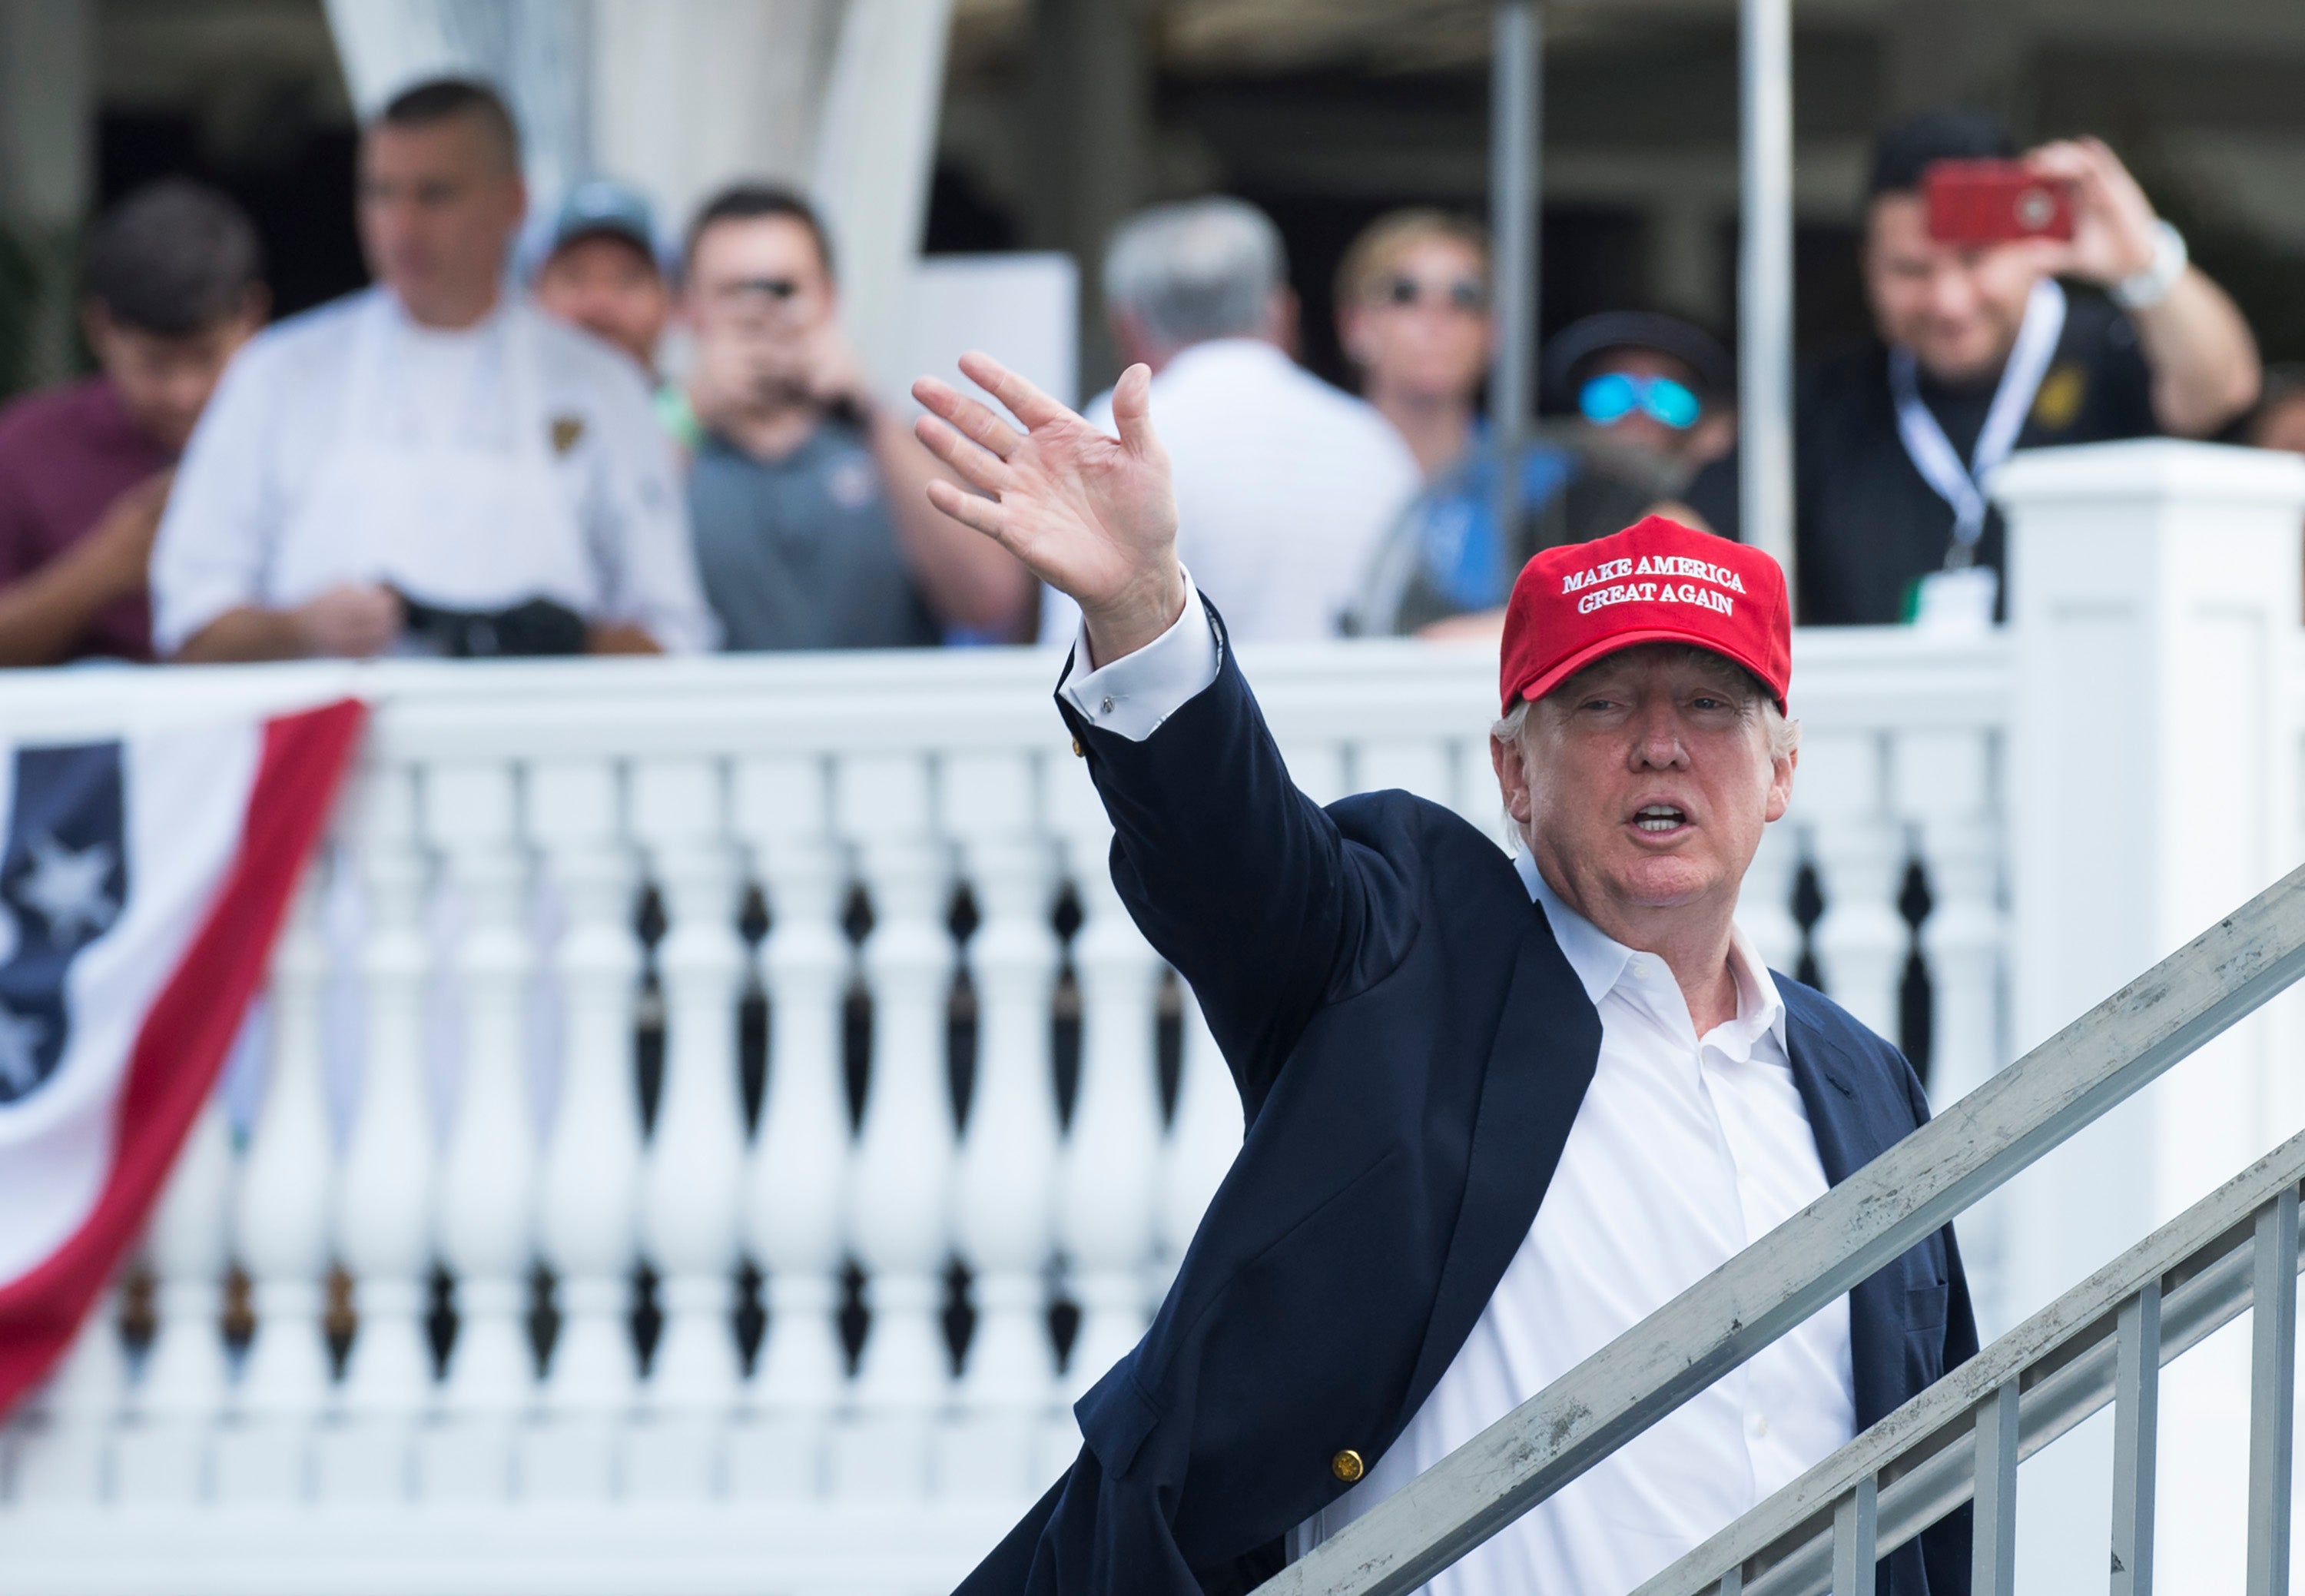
{"x": 1413, "y": 316}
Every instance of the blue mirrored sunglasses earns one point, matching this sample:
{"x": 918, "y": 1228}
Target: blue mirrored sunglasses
{"x": 1611, "y": 397}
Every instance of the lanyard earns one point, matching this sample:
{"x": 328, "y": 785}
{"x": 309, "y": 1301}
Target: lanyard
{"x": 1931, "y": 452}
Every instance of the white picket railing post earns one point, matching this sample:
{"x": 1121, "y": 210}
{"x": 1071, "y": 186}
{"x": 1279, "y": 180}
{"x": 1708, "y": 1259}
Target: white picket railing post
{"x": 384, "y": 1182}
{"x": 164, "y": 1456}
{"x": 1107, "y": 1179}
{"x": 1005, "y": 1192}
{"x": 693, "y": 1173}
{"x": 281, "y": 1225}
{"x": 1861, "y": 941}
{"x": 486, "y": 1217}
{"x": 588, "y": 1196}
{"x": 901, "y": 1180}
{"x": 795, "y": 1182}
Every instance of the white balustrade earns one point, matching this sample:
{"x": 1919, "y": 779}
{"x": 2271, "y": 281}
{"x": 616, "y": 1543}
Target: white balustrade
{"x": 384, "y": 1183}
{"x": 164, "y": 1455}
{"x": 1002, "y": 1209}
{"x": 796, "y": 1182}
{"x": 485, "y": 1216}
{"x": 1861, "y": 941}
{"x": 280, "y": 1224}
{"x": 1107, "y": 1181}
{"x": 692, "y": 1176}
{"x": 590, "y": 1183}
{"x": 899, "y": 1202}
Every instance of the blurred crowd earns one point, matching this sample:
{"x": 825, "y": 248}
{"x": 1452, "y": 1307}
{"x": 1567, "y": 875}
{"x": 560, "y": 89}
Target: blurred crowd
{"x": 445, "y": 464}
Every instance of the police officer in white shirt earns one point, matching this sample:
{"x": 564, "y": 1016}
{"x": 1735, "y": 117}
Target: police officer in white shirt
{"x": 1284, "y": 484}
{"x": 427, "y": 466}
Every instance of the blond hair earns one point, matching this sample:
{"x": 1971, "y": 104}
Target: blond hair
{"x": 1379, "y": 248}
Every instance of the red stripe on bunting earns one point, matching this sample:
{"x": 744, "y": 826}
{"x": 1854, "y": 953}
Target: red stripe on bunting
{"x": 187, "y": 1033}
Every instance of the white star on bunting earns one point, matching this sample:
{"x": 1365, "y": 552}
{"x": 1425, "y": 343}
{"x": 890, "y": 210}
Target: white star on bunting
{"x": 65, "y": 887}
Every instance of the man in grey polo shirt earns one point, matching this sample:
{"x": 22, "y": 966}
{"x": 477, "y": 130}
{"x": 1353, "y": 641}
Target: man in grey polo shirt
{"x": 809, "y": 503}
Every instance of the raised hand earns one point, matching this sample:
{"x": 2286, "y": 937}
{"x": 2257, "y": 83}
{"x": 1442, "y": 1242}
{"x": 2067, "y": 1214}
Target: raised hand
{"x": 1091, "y": 516}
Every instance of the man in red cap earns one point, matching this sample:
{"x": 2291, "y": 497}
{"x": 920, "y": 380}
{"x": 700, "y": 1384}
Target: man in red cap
{"x": 1500, "y": 1109}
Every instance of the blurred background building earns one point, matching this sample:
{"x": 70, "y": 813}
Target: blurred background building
{"x": 1059, "y": 116}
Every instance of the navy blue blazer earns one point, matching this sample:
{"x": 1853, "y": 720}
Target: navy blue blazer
{"x": 1410, "y": 1048}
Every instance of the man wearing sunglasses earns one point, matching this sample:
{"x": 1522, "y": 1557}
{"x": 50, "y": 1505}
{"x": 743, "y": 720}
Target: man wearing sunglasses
{"x": 807, "y": 497}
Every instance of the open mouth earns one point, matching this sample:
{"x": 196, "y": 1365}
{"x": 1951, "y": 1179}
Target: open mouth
{"x": 1656, "y": 818}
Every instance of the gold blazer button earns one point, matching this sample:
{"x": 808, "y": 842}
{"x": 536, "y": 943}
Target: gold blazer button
{"x": 1347, "y": 1466}
{"x": 1080, "y": 752}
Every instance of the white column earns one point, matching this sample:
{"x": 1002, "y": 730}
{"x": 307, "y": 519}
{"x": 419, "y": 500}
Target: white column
{"x": 2153, "y": 595}
{"x": 1005, "y": 1193}
{"x": 384, "y": 1187}
{"x": 691, "y": 1179}
{"x": 1106, "y": 1193}
{"x": 486, "y": 1218}
{"x": 796, "y": 1184}
{"x": 1862, "y": 941}
{"x": 901, "y": 1181}
{"x": 280, "y": 1224}
{"x": 165, "y": 1455}
{"x": 589, "y": 1197}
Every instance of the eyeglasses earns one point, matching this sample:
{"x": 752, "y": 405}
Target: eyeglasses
{"x": 1613, "y": 395}
{"x": 1468, "y": 295}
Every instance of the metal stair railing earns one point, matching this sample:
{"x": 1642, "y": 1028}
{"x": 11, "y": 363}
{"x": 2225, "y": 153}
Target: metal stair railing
{"x": 1977, "y": 1144}
{"x": 2104, "y": 1341}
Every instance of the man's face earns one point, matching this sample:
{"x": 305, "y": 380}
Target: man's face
{"x": 1644, "y": 783}
{"x": 1423, "y": 329}
{"x": 439, "y": 206}
{"x": 609, "y": 286}
{"x": 1957, "y": 307}
{"x": 757, "y": 292}
{"x": 165, "y": 380}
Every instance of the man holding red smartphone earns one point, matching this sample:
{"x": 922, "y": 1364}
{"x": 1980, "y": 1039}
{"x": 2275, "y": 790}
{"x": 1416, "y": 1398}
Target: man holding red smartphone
{"x": 2018, "y": 304}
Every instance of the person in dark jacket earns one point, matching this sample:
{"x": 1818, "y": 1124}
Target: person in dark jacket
{"x": 1498, "y": 1112}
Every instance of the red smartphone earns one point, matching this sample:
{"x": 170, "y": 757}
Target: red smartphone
{"x": 1995, "y": 203}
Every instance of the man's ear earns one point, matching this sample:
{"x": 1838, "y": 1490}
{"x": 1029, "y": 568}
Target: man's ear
{"x": 1510, "y": 762}
{"x": 1781, "y": 777}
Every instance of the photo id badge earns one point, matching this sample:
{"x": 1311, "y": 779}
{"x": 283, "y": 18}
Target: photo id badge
{"x": 1957, "y": 603}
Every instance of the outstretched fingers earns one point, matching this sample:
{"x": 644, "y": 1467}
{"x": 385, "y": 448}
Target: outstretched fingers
{"x": 971, "y": 417}
{"x": 1027, "y": 403}
{"x": 978, "y": 466}
{"x": 984, "y": 515}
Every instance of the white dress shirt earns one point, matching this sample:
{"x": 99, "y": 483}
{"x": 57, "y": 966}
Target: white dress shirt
{"x": 473, "y": 469}
{"x": 1685, "y": 1150}
{"x": 1284, "y": 486}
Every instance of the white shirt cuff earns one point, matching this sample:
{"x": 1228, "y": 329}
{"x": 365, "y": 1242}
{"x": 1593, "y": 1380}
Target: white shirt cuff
{"x": 1135, "y": 692}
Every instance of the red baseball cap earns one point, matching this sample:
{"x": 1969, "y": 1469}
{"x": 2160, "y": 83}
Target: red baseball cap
{"x": 1656, "y": 582}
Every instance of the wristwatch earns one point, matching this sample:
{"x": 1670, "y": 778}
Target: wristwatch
{"x": 2150, "y": 286}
